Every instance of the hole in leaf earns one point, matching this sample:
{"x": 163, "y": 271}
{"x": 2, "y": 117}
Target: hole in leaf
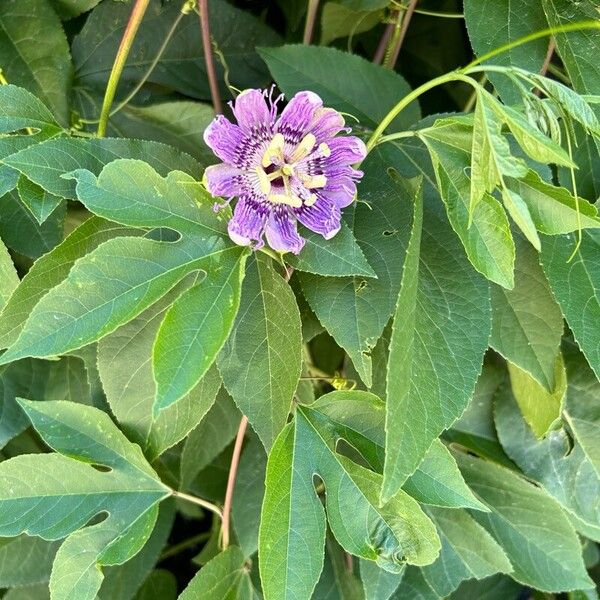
{"x": 393, "y": 174}
{"x": 101, "y": 468}
{"x": 163, "y": 234}
{"x": 389, "y": 232}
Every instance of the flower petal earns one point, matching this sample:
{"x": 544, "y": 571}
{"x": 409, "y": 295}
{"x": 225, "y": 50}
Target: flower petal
{"x": 340, "y": 190}
{"x": 224, "y": 139}
{"x": 323, "y": 216}
{"x": 281, "y": 231}
{"x": 298, "y": 116}
{"x": 326, "y": 123}
{"x": 252, "y": 114}
{"x": 225, "y": 180}
{"x": 248, "y": 222}
{"x": 346, "y": 150}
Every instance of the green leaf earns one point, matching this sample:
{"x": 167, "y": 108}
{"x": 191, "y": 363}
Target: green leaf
{"x": 67, "y": 9}
{"x": 355, "y": 310}
{"x": 338, "y": 20}
{"x": 36, "y": 52}
{"x": 527, "y": 324}
{"x": 475, "y": 428}
{"x": 25, "y": 560}
{"x": 210, "y": 437}
{"x": 440, "y": 333}
{"x": 359, "y": 418}
{"x": 261, "y": 360}
{"x": 40, "y": 203}
{"x": 339, "y": 257}
{"x": 20, "y": 231}
{"x": 121, "y": 581}
{"x": 557, "y": 462}
{"x": 34, "y": 592}
{"x": 491, "y": 156}
{"x": 123, "y": 276}
{"x": 468, "y": 551}
{"x": 491, "y": 24}
{"x": 497, "y": 587}
{"x": 9, "y": 280}
{"x": 554, "y": 209}
{"x": 82, "y": 437}
{"x": 248, "y": 499}
{"x": 20, "y": 109}
{"x": 125, "y": 366}
{"x": 195, "y": 329}
{"x": 181, "y": 66}
{"x": 47, "y": 162}
{"x": 545, "y": 554}
{"x": 180, "y": 123}
{"x": 415, "y": 586}
{"x": 51, "y": 269}
{"x": 575, "y": 283}
{"x": 378, "y": 584}
{"x": 575, "y": 47}
{"x": 487, "y": 241}
{"x": 325, "y": 72}
{"x": 160, "y": 585}
{"x": 293, "y": 519}
{"x": 541, "y": 408}
{"x": 225, "y": 576}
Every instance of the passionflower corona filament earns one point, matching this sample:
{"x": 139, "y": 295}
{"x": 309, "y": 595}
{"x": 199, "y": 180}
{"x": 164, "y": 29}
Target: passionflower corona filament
{"x": 283, "y": 170}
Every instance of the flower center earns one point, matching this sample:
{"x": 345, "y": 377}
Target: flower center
{"x": 278, "y": 177}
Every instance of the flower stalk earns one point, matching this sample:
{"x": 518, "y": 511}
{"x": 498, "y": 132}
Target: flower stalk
{"x": 137, "y": 14}
{"x": 311, "y": 17}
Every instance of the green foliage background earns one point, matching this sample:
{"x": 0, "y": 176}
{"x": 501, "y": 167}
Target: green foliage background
{"x": 422, "y": 391}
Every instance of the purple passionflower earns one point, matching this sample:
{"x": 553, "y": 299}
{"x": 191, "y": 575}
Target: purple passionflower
{"x": 283, "y": 170}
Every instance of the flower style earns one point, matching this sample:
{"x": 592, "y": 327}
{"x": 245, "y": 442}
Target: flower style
{"x": 283, "y": 170}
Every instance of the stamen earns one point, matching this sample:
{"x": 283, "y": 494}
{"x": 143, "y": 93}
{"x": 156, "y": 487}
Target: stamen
{"x": 287, "y": 170}
{"x": 304, "y": 148}
{"x": 290, "y": 200}
{"x": 274, "y": 150}
{"x": 311, "y": 200}
{"x": 264, "y": 181}
{"x": 316, "y": 181}
{"x": 324, "y": 150}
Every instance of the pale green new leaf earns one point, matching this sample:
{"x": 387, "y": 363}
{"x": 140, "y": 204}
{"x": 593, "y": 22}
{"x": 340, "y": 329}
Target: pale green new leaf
{"x": 195, "y": 329}
{"x": 541, "y": 408}
{"x": 532, "y": 529}
{"x": 19, "y": 109}
{"x": 125, "y": 367}
{"x": 468, "y": 551}
{"x": 575, "y": 283}
{"x": 485, "y": 233}
{"x": 442, "y": 314}
{"x": 527, "y": 324}
{"x": 69, "y": 491}
{"x": 261, "y": 361}
{"x": 36, "y": 53}
{"x": 225, "y": 577}
{"x": 554, "y": 209}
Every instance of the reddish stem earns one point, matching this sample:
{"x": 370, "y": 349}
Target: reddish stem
{"x": 208, "y": 56}
{"x": 235, "y": 461}
{"x": 383, "y": 42}
{"x": 399, "y": 38}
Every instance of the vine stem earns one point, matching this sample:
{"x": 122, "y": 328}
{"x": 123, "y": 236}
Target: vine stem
{"x": 235, "y": 461}
{"x": 195, "y": 500}
{"x": 311, "y": 17}
{"x": 383, "y": 43}
{"x": 208, "y": 56}
{"x": 399, "y": 34}
{"x": 547, "y": 60}
{"x": 472, "y": 67}
{"x": 137, "y": 14}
